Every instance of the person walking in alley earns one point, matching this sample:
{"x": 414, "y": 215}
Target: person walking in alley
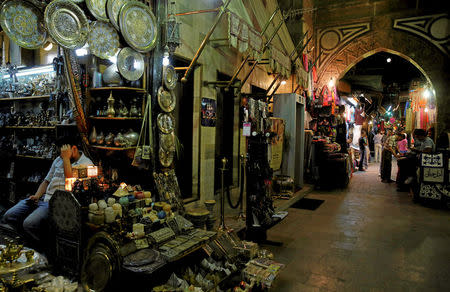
{"x": 362, "y": 150}
{"x": 389, "y": 147}
{"x": 377, "y": 140}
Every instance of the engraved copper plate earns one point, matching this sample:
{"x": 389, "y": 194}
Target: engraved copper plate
{"x": 103, "y": 39}
{"x": 130, "y": 64}
{"x": 98, "y": 9}
{"x": 138, "y": 26}
{"x": 165, "y": 122}
{"x": 113, "y": 9}
{"x": 166, "y": 100}
{"x": 23, "y": 23}
{"x": 170, "y": 77}
{"x": 67, "y": 24}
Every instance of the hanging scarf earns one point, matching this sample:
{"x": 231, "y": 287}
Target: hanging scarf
{"x": 314, "y": 73}
{"x": 305, "y": 62}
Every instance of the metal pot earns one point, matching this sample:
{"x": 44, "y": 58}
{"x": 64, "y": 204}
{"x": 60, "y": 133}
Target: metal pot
{"x": 111, "y": 76}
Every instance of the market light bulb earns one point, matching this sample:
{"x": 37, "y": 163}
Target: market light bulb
{"x": 331, "y": 83}
{"x": 81, "y": 52}
{"x": 283, "y": 82}
{"x": 426, "y": 109}
{"x": 388, "y": 60}
{"x": 426, "y": 93}
{"x": 166, "y": 61}
{"x": 48, "y": 46}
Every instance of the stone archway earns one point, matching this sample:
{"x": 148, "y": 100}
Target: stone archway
{"x": 423, "y": 54}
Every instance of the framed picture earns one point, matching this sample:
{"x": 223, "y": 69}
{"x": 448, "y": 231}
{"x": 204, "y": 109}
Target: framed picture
{"x": 209, "y": 117}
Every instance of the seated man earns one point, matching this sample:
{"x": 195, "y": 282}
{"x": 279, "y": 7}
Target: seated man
{"x": 408, "y": 164}
{"x": 33, "y": 211}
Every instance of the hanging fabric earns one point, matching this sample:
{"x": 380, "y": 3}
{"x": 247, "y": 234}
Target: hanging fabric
{"x": 305, "y": 62}
{"x": 314, "y": 74}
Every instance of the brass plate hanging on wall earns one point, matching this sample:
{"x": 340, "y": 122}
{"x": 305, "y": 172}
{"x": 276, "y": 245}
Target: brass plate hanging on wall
{"x": 113, "y": 9}
{"x": 166, "y": 100}
{"x": 67, "y": 24}
{"x": 103, "y": 39}
{"x": 138, "y": 26}
{"x": 167, "y": 141}
{"x": 98, "y": 9}
{"x": 166, "y": 123}
{"x": 23, "y": 23}
{"x": 170, "y": 77}
{"x": 166, "y": 157}
{"x": 130, "y": 64}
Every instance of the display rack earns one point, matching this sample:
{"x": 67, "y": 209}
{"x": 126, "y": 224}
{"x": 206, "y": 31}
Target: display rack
{"x": 119, "y": 88}
{"x": 31, "y": 98}
{"x": 113, "y": 148}
{"x": 115, "y": 118}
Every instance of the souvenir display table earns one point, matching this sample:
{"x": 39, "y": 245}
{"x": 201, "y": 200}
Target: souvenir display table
{"x": 433, "y": 179}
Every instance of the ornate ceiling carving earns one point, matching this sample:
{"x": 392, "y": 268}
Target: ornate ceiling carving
{"x": 434, "y": 28}
{"x": 331, "y": 40}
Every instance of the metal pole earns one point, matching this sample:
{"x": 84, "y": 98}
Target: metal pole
{"x": 241, "y": 208}
{"x": 301, "y": 51}
{"x": 273, "y": 83}
{"x": 264, "y": 49}
{"x": 266, "y": 26}
{"x": 315, "y": 61}
{"x": 275, "y": 90}
{"x": 222, "y": 226}
{"x": 196, "y": 12}
{"x": 205, "y": 41}
{"x": 290, "y": 56}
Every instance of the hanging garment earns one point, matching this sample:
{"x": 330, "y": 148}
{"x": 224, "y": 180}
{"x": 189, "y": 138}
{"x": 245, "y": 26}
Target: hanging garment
{"x": 408, "y": 120}
{"x": 305, "y": 62}
{"x": 356, "y": 135}
{"x": 359, "y": 116}
{"x": 314, "y": 73}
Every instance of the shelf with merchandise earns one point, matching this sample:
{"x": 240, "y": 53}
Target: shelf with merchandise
{"x": 140, "y": 90}
{"x": 25, "y": 98}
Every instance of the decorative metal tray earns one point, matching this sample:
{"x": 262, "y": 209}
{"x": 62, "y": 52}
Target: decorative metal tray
{"x": 166, "y": 100}
{"x": 67, "y": 24}
{"x": 130, "y": 64}
{"x": 23, "y": 23}
{"x": 113, "y": 9}
{"x": 170, "y": 77}
{"x": 138, "y": 26}
{"x": 166, "y": 123}
{"x": 98, "y": 9}
{"x": 167, "y": 142}
{"x": 103, "y": 39}
{"x": 166, "y": 157}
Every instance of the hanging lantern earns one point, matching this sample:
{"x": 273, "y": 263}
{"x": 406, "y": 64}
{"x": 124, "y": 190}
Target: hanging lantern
{"x": 172, "y": 30}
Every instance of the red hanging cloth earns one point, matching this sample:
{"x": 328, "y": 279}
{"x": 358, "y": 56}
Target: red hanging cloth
{"x": 314, "y": 73}
{"x": 305, "y": 62}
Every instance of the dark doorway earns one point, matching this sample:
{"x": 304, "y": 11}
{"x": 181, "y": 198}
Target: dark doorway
{"x": 183, "y": 114}
{"x": 224, "y": 133}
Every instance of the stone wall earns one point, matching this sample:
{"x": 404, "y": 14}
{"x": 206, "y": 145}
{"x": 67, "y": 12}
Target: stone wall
{"x": 223, "y": 59}
{"x": 417, "y": 31}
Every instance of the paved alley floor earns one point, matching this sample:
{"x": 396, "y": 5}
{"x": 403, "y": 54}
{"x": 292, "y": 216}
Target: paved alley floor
{"x": 368, "y": 237}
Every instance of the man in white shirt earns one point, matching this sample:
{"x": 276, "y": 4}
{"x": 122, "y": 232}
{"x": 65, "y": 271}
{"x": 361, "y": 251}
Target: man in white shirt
{"x": 377, "y": 140}
{"x": 33, "y": 211}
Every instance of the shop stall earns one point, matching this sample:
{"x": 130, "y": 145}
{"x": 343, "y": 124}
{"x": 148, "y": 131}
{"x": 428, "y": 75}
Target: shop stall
{"x": 110, "y": 82}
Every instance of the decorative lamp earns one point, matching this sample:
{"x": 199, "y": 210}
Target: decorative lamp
{"x": 172, "y": 30}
